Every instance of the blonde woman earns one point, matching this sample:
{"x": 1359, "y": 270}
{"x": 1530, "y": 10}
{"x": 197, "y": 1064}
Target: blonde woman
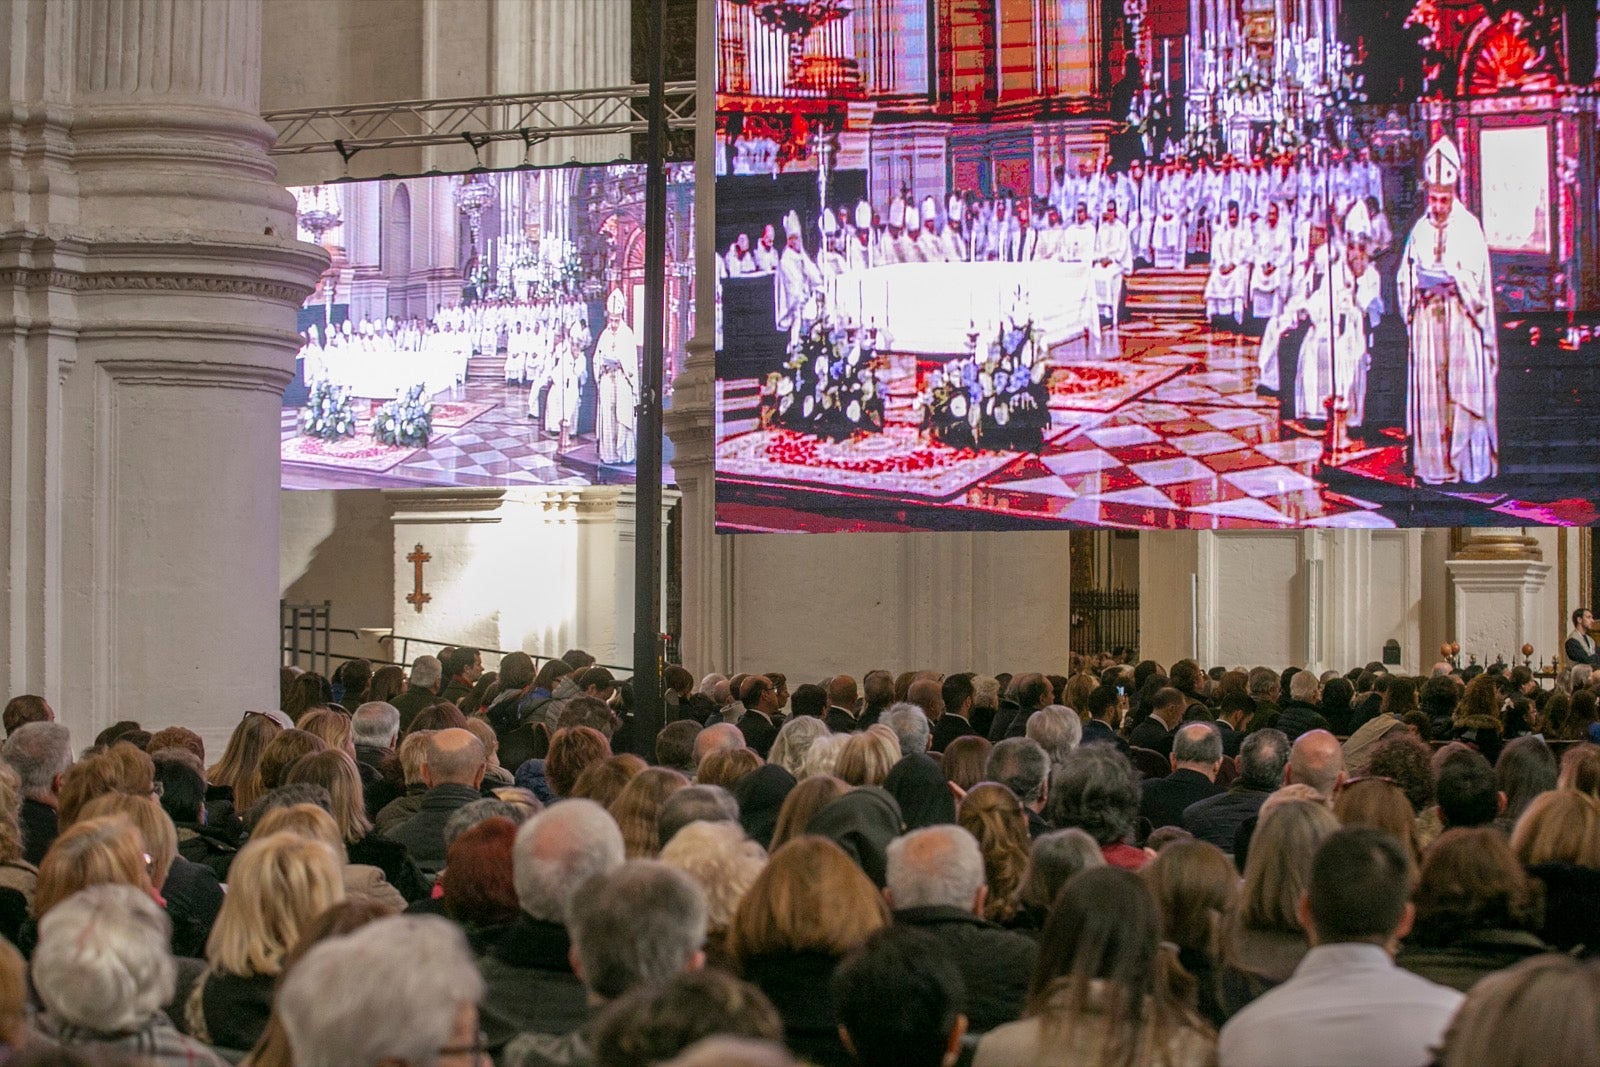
{"x": 232, "y": 778}
{"x": 337, "y": 772}
{"x": 726, "y": 864}
{"x": 412, "y": 755}
{"x": 333, "y": 727}
{"x": 868, "y": 757}
{"x": 361, "y": 882}
{"x": 637, "y": 809}
{"x": 277, "y": 885}
{"x": 993, "y": 815}
{"x": 191, "y": 891}
{"x": 104, "y": 851}
{"x": 16, "y": 873}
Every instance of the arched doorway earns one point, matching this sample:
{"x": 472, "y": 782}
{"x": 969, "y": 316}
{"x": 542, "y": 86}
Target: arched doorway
{"x": 396, "y": 252}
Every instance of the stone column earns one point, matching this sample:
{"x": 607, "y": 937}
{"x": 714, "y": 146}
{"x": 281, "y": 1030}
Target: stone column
{"x": 1497, "y": 578}
{"x": 154, "y": 277}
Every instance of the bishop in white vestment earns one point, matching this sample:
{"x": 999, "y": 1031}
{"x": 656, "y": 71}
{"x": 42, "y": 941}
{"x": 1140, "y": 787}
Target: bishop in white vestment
{"x": 616, "y": 372}
{"x": 1446, "y": 294}
{"x": 1112, "y": 262}
{"x": 1230, "y": 269}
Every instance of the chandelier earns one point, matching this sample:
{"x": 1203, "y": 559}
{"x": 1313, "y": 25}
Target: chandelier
{"x": 317, "y": 209}
{"x": 797, "y": 19}
{"x": 474, "y": 196}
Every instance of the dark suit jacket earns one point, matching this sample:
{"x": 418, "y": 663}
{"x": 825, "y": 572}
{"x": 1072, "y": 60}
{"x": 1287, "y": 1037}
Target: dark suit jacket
{"x": 1152, "y": 734}
{"x": 1231, "y": 738}
{"x": 949, "y": 727}
{"x": 996, "y": 963}
{"x": 999, "y": 728}
{"x": 1578, "y": 654}
{"x": 39, "y": 829}
{"x": 1217, "y": 819}
{"x": 759, "y": 731}
{"x": 1097, "y": 732}
{"x": 530, "y": 984}
{"x": 411, "y": 702}
{"x": 842, "y": 720}
{"x": 423, "y": 833}
{"x": 1164, "y": 799}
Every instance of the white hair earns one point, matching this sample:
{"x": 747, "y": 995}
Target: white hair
{"x": 709, "y": 683}
{"x": 1057, "y": 729}
{"x": 426, "y": 672}
{"x": 823, "y": 755}
{"x": 1303, "y": 686}
{"x": 38, "y": 751}
{"x": 640, "y": 925}
{"x": 794, "y": 740}
{"x": 102, "y": 963}
{"x": 722, "y": 859}
{"x": 376, "y": 723}
{"x": 388, "y": 992}
{"x": 934, "y": 866}
{"x": 910, "y": 724}
{"x": 558, "y": 850}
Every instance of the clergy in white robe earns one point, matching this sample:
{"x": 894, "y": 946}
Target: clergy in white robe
{"x": 797, "y": 278}
{"x": 1333, "y": 351}
{"x": 516, "y": 354}
{"x": 1167, "y": 238}
{"x": 1112, "y": 262}
{"x": 1077, "y": 244}
{"x": 1230, "y": 269}
{"x": 739, "y": 260}
{"x": 1445, "y": 288}
{"x": 561, "y": 405}
{"x": 861, "y": 250}
{"x": 766, "y": 252}
{"x": 1273, "y": 253}
{"x": 929, "y": 245}
{"x": 957, "y": 243}
{"x": 1051, "y": 236}
{"x": 616, "y": 373}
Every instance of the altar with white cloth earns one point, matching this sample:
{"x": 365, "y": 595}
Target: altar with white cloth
{"x": 927, "y": 309}
{"x": 385, "y": 372}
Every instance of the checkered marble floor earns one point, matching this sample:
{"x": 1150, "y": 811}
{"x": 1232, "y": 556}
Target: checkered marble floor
{"x": 500, "y": 447}
{"x": 1200, "y": 451}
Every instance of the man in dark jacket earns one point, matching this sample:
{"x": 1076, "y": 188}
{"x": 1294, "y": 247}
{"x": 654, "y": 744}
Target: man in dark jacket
{"x": 841, "y": 714}
{"x": 453, "y": 770}
{"x": 1022, "y": 766}
{"x": 956, "y": 695}
{"x": 1166, "y": 712}
{"x": 935, "y": 882}
{"x": 40, "y": 753}
{"x": 1265, "y": 689}
{"x": 1029, "y": 693}
{"x": 1217, "y": 819}
{"x": 423, "y": 689}
{"x": 530, "y": 984}
{"x": 462, "y": 668}
{"x": 1302, "y": 712}
{"x": 1196, "y": 758}
{"x": 1105, "y": 714}
{"x": 759, "y": 722}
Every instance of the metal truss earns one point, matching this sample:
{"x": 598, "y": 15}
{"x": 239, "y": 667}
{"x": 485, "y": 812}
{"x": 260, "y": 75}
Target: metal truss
{"x": 531, "y": 118}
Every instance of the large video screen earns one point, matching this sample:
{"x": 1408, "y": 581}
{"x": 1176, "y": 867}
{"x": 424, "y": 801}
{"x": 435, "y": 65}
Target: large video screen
{"x": 482, "y": 329}
{"x": 1032, "y": 264}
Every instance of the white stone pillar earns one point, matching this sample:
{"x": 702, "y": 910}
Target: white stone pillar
{"x": 1498, "y": 581}
{"x": 154, "y": 278}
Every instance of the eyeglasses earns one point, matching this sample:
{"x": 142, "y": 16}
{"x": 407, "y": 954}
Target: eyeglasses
{"x": 1348, "y": 782}
{"x": 479, "y": 1049}
{"x": 157, "y": 790}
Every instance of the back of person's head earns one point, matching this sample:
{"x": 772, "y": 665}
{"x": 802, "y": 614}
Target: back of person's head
{"x": 560, "y": 849}
{"x": 1104, "y": 702}
{"x": 183, "y": 787}
{"x": 910, "y": 725}
{"x": 794, "y": 740}
{"x": 102, "y": 961}
{"x": 938, "y": 866}
{"x": 335, "y": 771}
{"x": 727, "y": 767}
{"x": 21, "y": 710}
{"x": 1022, "y": 765}
{"x": 1057, "y": 729}
{"x": 637, "y": 809}
{"x": 1263, "y": 684}
{"x": 1360, "y": 887}
{"x": 1525, "y": 769}
{"x": 588, "y": 711}
{"x": 478, "y": 888}
{"x": 1104, "y": 928}
{"x": 104, "y": 851}
{"x": 39, "y": 752}
{"x": 1317, "y": 759}
{"x": 1407, "y": 760}
{"x": 453, "y": 757}
{"x": 278, "y": 883}
{"x": 604, "y": 780}
{"x": 807, "y": 798}
{"x": 637, "y": 925}
{"x": 280, "y": 754}
{"x": 573, "y": 749}
{"x": 1278, "y": 867}
{"x": 722, "y": 860}
{"x": 1096, "y": 790}
{"x": 1055, "y": 857}
{"x": 1262, "y": 757}
{"x": 336, "y": 1015}
{"x": 482, "y": 810}
{"x": 1197, "y": 743}
{"x": 154, "y": 826}
{"x": 808, "y": 701}
{"x": 376, "y": 723}
{"x": 675, "y": 745}
{"x": 867, "y": 758}
{"x": 1561, "y": 826}
{"x": 1194, "y": 884}
{"x": 900, "y": 999}
{"x": 577, "y": 658}
{"x": 1580, "y": 769}
{"x": 1543, "y": 1010}
{"x": 426, "y": 672}
{"x": 651, "y": 1024}
{"x": 440, "y": 716}
{"x": 1031, "y": 691}
{"x": 1466, "y": 790}
{"x": 966, "y": 759}
{"x": 1382, "y": 806}
{"x": 811, "y": 897}
{"x": 695, "y": 804}
{"x": 877, "y": 689}
{"x": 1471, "y": 881}
{"x": 180, "y": 737}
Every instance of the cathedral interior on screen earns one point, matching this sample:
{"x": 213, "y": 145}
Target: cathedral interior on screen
{"x": 1174, "y": 264}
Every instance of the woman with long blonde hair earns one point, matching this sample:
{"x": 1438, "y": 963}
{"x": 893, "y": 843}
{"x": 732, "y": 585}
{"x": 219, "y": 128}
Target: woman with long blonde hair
{"x": 993, "y": 814}
{"x": 277, "y": 885}
{"x": 234, "y": 774}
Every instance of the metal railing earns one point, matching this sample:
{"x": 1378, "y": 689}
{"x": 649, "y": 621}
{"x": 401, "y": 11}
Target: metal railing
{"x": 1104, "y": 619}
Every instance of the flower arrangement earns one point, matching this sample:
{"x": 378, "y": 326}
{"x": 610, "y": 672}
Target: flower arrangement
{"x": 405, "y": 422}
{"x": 995, "y": 400}
{"x": 829, "y": 386}
{"x": 329, "y": 412}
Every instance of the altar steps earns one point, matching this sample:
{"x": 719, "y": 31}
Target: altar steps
{"x": 1168, "y": 295}
{"x": 739, "y": 406}
{"x": 484, "y": 368}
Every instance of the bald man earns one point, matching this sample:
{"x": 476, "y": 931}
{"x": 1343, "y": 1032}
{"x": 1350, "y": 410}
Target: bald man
{"x": 926, "y": 693}
{"x": 719, "y": 737}
{"x": 1316, "y": 760}
{"x": 1196, "y": 758}
{"x": 843, "y": 705}
{"x": 453, "y": 768}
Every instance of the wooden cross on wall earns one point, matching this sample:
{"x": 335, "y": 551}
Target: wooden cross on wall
{"x": 417, "y": 597}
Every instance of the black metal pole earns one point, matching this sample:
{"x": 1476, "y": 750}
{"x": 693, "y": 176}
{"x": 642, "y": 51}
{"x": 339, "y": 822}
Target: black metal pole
{"x": 647, "y": 704}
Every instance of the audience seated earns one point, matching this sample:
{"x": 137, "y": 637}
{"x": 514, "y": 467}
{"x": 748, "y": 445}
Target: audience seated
{"x": 916, "y": 906}
{"x": 1347, "y": 1002}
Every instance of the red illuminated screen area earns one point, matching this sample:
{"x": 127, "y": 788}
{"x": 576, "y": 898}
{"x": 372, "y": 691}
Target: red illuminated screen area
{"x": 1176, "y": 264}
{"x": 481, "y": 329}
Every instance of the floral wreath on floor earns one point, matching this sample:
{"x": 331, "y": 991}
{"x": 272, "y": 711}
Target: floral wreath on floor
{"x": 329, "y": 412}
{"x": 996, "y": 402}
{"x": 406, "y": 422}
{"x": 829, "y": 386}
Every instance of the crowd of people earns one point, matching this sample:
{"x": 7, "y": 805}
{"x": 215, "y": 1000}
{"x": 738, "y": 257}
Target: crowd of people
{"x": 1123, "y": 864}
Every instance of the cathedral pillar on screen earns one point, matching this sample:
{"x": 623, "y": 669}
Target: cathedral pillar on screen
{"x": 154, "y": 280}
